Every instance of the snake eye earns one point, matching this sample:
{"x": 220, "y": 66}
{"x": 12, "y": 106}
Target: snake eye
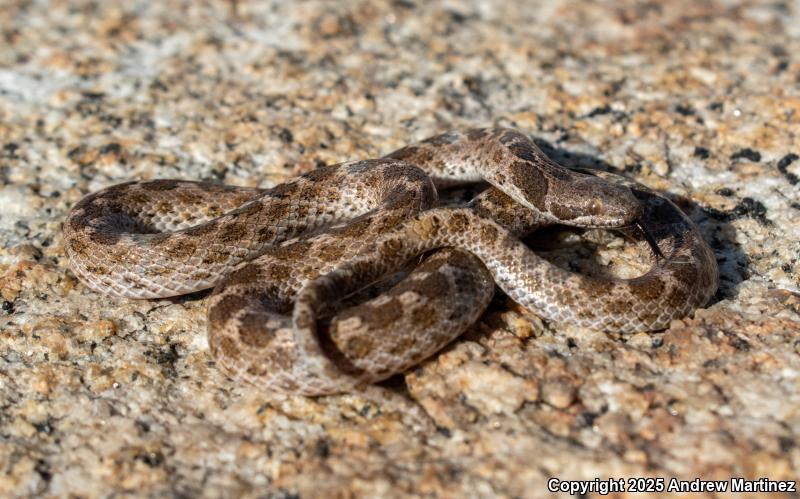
{"x": 596, "y": 206}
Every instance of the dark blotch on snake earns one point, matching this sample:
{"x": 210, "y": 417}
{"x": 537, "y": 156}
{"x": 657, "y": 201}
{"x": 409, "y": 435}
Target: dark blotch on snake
{"x": 320, "y": 174}
{"x": 225, "y": 345}
{"x": 226, "y": 308}
{"x": 246, "y": 274}
{"x": 232, "y": 232}
{"x": 285, "y": 190}
{"x": 202, "y": 229}
{"x": 510, "y": 137}
{"x": 647, "y": 289}
{"x": 433, "y": 285}
{"x": 78, "y": 247}
{"x": 357, "y": 228}
{"x": 476, "y": 133}
{"x": 279, "y": 272}
{"x": 676, "y": 297}
{"x": 160, "y": 185}
{"x": 531, "y": 182}
{"x": 297, "y": 250}
{"x": 250, "y": 209}
{"x": 424, "y": 316}
{"x": 441, "y": 139}
{"x": 458, "y": 222}
{"x": 252, "y": 331}
{"x": 331, "y": 251}
{"x": 596, "y": 288}
{"x": 403, "y": 153}
{"x": 104, "y": 237}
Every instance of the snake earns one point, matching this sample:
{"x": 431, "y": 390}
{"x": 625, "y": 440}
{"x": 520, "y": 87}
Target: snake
{"x": 288, "y": 263}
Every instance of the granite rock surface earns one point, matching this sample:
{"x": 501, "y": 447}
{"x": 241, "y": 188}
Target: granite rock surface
{"x": 106, "y": 397}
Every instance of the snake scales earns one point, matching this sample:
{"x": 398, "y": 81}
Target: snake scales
{"x": 281, "y": 258}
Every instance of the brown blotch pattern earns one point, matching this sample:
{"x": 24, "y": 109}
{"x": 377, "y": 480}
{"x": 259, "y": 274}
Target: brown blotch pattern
{"x": 85, "y": 214}
{"x": 331, "y": 251}
{"x": 78, "y": 247}
{"x": 214, "y": 256}
{"x": 265, "y": 234}
{"x": 257, "y": 370}
{"x": 252, "y": 331}
{"x": 402, "y": 344}
{"x": 188, "y": 197}
{"x": 226, "y": 308}
{"x": 357, "y": 228}
{"x": 424, "y": 316}
{"x": 489, "y": 234}
{"x": 245, "y": 274}
{"x": 202, "y": 229}
{"x": 277, "y": 209}
{"x": 279, "y": 272}
{"x": 321, "y": 174}
{"x": 442, "y": 139}
{"x": 403, "y": 153}
{"x": 391, "y": 247}
{"x": 498, "y": 155}
{"x": 424, "y": 156}
{"x": 182, "y": 248}
{"x": 563, "y": 212}
{"x": 160, "y": 185}
{"x": 97, "y": 269}
{"x": 509, "y": 137}
{"x": 232, "y": 232}
{"x": 355, "y": 346}
{"x": 458, "y": 222}
{"x": 650, "y": 289}
{"x": 159, "y": 238}
{"x": 201, "y": 275}
{"x": 301, "y": 211}
{"x": 388, "y": 221}
{"x": 138, "y": 198}
{"x": 114, "y": 192}
{"x": 386, "y": 313}
{"x": 225, "y": 346}
{"x": 104, "y": 238}
{"x": 249, "y": 209}
{"x": 687, "y": 276}
{"x": 596, "y": 288}
{"x": 705, "y": 279}
{"x": 286, "y": 190}
{"x": 434, "y": 284}
{"x": 297, "y": 250}
{"x": 524, "y": 150}
{"x": 531, "y": 182}
{"x": 676, "y": 297}
{"x": 476, "y": 133}
{"x": 618, "y": 306}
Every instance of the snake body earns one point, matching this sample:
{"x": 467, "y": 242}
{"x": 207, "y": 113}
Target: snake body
{"x": 283, "y": 258}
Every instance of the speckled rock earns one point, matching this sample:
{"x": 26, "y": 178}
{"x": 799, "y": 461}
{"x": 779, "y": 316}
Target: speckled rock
{"x": 701, "y": 100}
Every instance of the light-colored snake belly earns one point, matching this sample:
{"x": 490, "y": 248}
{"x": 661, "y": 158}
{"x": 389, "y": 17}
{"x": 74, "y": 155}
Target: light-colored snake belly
{"x": 283, "y": 259}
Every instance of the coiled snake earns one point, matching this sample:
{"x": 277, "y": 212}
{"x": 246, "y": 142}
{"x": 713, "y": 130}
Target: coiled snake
{"x": 282, "y": 258}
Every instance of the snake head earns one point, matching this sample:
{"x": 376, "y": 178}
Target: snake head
{"x": 588, "y": 201}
